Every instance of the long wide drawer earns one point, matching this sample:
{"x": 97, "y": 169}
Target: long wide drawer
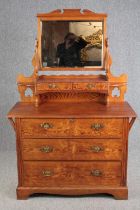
{"x": 43, "y": 174}
{"x": 84, "y": 128}
{"x": 71, "y": 149}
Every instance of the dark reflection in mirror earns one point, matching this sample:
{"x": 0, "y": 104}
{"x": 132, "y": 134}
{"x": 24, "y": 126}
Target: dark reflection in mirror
{"x": 72, "y": 43}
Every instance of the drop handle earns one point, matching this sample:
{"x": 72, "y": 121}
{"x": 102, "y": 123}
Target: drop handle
{"x": 96, "y": 173}
{"x": 46, "y": 149}
{"x": 46, "y": 125}
{"x": 96, "y": 149}
{"x": 97, "y": 126}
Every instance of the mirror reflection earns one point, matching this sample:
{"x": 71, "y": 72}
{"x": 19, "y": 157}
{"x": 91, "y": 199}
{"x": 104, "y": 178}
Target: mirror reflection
{"x": 72, "y": 43}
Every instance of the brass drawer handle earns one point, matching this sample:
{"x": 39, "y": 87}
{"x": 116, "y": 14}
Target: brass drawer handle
{"x": 47, "y": 173}
{"x": 96, "y": 149}
{"x": 52, "y": 86}
{"x": 90, "y": 86}
{"x": 46, "y": 125}
{"x": 97, "y": 126}
{"x": 46, "y": 149}
{"x": 96, "y": 173}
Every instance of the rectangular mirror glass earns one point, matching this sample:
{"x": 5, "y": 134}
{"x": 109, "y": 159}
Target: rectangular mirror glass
{"x": 72, "y": 43}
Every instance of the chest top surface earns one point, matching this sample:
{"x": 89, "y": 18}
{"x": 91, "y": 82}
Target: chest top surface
{"x": 72, "y": 110}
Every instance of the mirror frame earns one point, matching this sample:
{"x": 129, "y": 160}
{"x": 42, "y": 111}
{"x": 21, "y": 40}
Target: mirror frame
{"x": 71, "y": 15}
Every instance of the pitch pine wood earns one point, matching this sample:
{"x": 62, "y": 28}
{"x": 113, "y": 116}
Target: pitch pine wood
{"x": 72, "y": 133}
{"x": 32, "y": 128}
{"x": 100, "y": 86}
{"x": 72, "y": 149}
{"x": 76, "y": 83}
{"x": 72, "y": 110}
{"x": 72, "y": 160}
{"x": 67, "y": 174}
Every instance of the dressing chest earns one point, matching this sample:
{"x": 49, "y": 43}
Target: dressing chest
{"x": 72, "y": 130}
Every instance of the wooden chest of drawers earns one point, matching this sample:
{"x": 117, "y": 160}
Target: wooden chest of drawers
{"x": 72, "y": 149}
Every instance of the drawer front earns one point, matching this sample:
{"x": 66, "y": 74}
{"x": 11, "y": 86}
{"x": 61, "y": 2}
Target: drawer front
{"x": 54, "y": 86}
{"x": 99, "y": 128}
{"x": 52, "y": 174}
{"x": 41, "y": 128}
{"x": 90, "y": 128}
{"x": 90, "y": 86}
{"x": 71, "y": 149}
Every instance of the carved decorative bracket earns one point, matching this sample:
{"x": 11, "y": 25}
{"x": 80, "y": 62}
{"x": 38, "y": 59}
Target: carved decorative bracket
{"x": 114, "y": 82}
{"x": 29, "y": 83}
{"x": 131, "y": 122}
{"x": 12, "y": 122}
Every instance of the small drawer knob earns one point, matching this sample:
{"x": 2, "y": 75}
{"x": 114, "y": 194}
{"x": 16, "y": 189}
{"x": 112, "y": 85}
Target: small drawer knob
{"x": 51, "y": 86}
{"x": 90, "y": 86}
{"x": 71, "y": 120}
{"x": 96, "y": 149}
{"x": 47, "y": 173}
{"x": 97, "y": 126}
{"x": 46, "y": 125}
{"x": 96, "y": 173}
{"x": 46, "y": 149}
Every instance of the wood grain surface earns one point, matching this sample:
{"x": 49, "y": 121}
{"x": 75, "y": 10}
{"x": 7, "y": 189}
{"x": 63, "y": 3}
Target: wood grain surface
{"x": 82, "y": 128}
{"x": 71, "y": 173}
{"x": 71, "y": 149}
{"x": 72, "y": 110}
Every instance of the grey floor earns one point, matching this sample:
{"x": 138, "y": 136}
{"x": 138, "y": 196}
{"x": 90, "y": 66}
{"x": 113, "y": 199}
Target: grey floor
{"x": 8, "y": 182}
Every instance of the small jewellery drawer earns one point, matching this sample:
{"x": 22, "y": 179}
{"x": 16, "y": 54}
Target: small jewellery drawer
{"x": 92, "y": 173}
{"x": 90, "y": 86}
{"x": 85, "y": 128}
{"x": 71, "y": 149}
{"x": 54, "y": 86}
